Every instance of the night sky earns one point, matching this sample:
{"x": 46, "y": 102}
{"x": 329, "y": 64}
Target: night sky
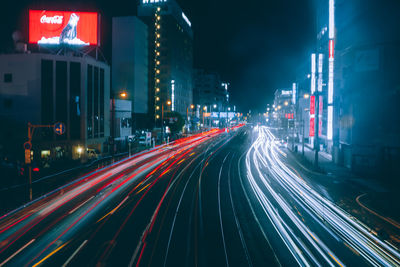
{"x": 256, "y": 45}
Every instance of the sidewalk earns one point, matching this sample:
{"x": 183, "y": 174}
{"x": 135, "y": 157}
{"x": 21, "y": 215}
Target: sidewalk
{"x": 378, "y": 200}
{"x": 325, "y": 163}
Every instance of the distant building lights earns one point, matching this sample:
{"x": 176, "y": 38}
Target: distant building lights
{"x": 173, "y": 94}
{"x": 186, "y": 19}
{"x": 320, "y": 68}
{"x": 153, "y": 2}
{"x": 313, "y": 69}
{"x": 330, "y": 123}
{"x": 294, "y": 93}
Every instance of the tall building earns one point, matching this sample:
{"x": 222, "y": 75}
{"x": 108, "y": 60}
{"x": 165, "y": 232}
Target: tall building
{"x": 130, "y": 66}
{"x": 45, "y": 88}
{"x": 170, "y": 41}
{"x": 210, "y": 91}
{"x": 361, "y": 66}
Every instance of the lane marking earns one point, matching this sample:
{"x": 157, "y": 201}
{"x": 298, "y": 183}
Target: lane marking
{"x": 74, "y": 254}
{"x": 16, "y": 253}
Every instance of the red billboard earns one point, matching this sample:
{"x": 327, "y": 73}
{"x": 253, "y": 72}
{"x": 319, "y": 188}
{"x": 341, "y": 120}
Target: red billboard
{"x": 312, "y": 127}
{"x": 312, "y": 105}
{"x": 62, "y": 27}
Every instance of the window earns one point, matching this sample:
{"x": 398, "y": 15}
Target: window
{"x": 7, "y": 77}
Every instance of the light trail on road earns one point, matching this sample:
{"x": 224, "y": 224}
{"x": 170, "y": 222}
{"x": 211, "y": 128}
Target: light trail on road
{"x": 85, "y": 201}
{"x": 314, "y": 229}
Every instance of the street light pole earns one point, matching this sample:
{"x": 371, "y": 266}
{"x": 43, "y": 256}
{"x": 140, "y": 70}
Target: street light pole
{"x": 162, "y": 118}
{"x": 316, "y": 141}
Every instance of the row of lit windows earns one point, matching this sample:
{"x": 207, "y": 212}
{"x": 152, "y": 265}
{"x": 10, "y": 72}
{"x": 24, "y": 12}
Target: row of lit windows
{"x": 157, "y": 45}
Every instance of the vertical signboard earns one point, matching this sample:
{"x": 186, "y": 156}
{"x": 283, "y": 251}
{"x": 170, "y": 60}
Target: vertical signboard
{"x": 312, "y": 116}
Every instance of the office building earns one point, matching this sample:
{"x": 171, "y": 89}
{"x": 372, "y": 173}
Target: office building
{"x": 170, "y": 57}
{"x": 130, "y": 66}
{"x": 46, "y": 88}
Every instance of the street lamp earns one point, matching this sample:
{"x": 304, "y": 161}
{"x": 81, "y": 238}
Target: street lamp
{"x": 162, "y": 118}
{"x": 121, "y": 95}
{"x": 187, "y": 112}
{"x": 204, "y": 110}
{"x": 286, "y": 103}
{"x": 306, "y": 96}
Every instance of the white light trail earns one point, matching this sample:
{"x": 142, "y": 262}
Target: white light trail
{"x": 281, "y": 193}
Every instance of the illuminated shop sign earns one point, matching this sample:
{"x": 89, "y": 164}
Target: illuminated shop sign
{"x": 153, "y": 1}
{"x": 62, "y": 27}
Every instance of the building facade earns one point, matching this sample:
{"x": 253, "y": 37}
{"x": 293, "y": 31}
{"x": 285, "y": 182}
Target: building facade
{"x": 210, "y": 91}
{"x": 170, "y": 39}
{"x": 363, "y": 78}
{"x": 130, "y": 66}
{"x": 44, "y": 88}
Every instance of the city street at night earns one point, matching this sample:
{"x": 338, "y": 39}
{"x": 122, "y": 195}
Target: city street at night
{"x": 212, "y": 200}
{"x": 199, "y": 133}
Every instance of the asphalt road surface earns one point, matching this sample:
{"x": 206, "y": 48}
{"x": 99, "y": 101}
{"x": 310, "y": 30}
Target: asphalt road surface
{"x": 214, "y": 199}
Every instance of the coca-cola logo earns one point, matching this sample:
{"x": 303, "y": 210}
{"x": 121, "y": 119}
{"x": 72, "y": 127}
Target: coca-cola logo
{"x": 51, "y": 20}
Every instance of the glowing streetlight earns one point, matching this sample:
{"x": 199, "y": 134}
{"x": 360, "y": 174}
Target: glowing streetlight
{"x": 306, "y": 96}
{"x": 123, "y": 94}
{"x": 286, "y": 103}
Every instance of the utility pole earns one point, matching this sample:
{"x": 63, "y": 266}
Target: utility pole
{"x": 316, "y": 141}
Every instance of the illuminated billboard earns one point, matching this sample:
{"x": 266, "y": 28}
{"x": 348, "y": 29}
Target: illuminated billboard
{"x": 62, "y": 27}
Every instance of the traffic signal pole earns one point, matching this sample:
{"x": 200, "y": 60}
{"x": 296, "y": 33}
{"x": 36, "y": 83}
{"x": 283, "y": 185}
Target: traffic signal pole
{"x": 59, "y": 128}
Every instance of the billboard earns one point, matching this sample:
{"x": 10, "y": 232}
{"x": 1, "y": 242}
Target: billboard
{"x": 63, "y": 27}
